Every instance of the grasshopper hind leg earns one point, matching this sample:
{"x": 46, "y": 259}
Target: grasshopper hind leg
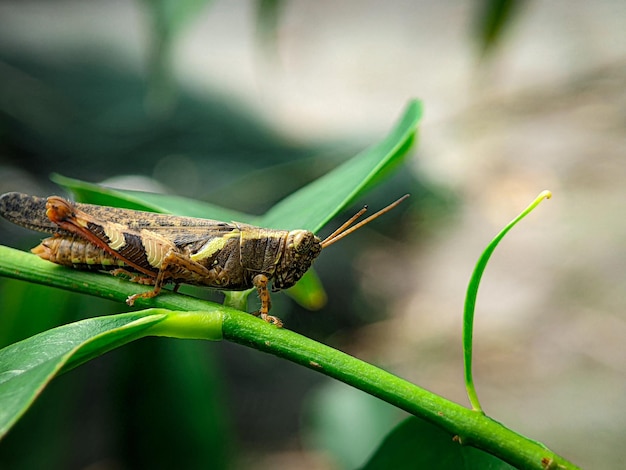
{"x": 133, "y": 276}
{"x": 138, "y": 279}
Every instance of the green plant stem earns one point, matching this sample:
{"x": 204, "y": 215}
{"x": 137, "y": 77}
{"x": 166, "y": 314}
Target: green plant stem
{"x": 469, "y": 427}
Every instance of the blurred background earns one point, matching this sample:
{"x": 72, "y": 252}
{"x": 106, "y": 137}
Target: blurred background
{"x": 239, "y": 103}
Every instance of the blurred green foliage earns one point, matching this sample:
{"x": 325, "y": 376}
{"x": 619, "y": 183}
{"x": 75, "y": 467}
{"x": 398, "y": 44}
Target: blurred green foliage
{"x": 493, "y": 18}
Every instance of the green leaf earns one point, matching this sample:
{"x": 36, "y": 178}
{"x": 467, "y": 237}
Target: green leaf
{"x": 314, "y": 205}
{"x": 308, "y": 208}
{"x": 142, "y": 201}
{"x": 416, "y": 443}
{"x": 472, "y": 294}
{"x": 28, "y": 366}
{"x": 308, "y": 292}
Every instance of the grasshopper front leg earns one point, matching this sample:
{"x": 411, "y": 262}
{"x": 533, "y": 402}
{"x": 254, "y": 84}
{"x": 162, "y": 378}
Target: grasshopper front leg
{"x": 260, "y": 282}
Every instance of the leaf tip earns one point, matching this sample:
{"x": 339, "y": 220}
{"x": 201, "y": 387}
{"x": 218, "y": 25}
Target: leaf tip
{"x": 545, "y": 194}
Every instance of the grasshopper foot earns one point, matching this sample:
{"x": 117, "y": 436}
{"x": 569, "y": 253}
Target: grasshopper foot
{"x": 144, "y": 295}
{"x": 272, "y": 319}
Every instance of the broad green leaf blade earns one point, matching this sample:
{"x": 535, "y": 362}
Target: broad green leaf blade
{"x": 138, "y": 200}
{"x": 308, "y": 208}
{"x": 28, "y": 366}
{"x": 418, "y": 444}
{"x": 192, "y": 208}
{"x": 314, "y": 205}
{"x": 92, "y": 193}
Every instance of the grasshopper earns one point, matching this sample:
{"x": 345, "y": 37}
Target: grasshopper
{"x": 155, "y": 249}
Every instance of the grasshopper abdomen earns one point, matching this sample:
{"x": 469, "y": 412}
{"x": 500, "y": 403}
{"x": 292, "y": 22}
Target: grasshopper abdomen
{"x": 76, "y": 253}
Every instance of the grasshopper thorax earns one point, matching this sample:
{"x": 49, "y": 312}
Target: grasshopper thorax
{"x": 301, "y": 248}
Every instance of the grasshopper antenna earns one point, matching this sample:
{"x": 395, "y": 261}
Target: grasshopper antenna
{"x": 346, "y": 230}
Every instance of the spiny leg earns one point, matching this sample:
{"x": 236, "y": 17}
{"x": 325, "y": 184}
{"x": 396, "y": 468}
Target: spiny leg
{"x": 158, "y": 282}
{"x": 172, "y": 261}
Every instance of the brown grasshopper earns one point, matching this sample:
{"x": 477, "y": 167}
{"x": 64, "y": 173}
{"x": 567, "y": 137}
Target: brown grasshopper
{"x": 154, "y": 249}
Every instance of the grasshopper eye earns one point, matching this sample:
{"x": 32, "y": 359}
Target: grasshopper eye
{"x": 302, "y": 240}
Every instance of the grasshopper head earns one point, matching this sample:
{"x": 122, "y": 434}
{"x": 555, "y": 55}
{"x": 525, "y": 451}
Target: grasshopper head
{"x": 301, "y": 249}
